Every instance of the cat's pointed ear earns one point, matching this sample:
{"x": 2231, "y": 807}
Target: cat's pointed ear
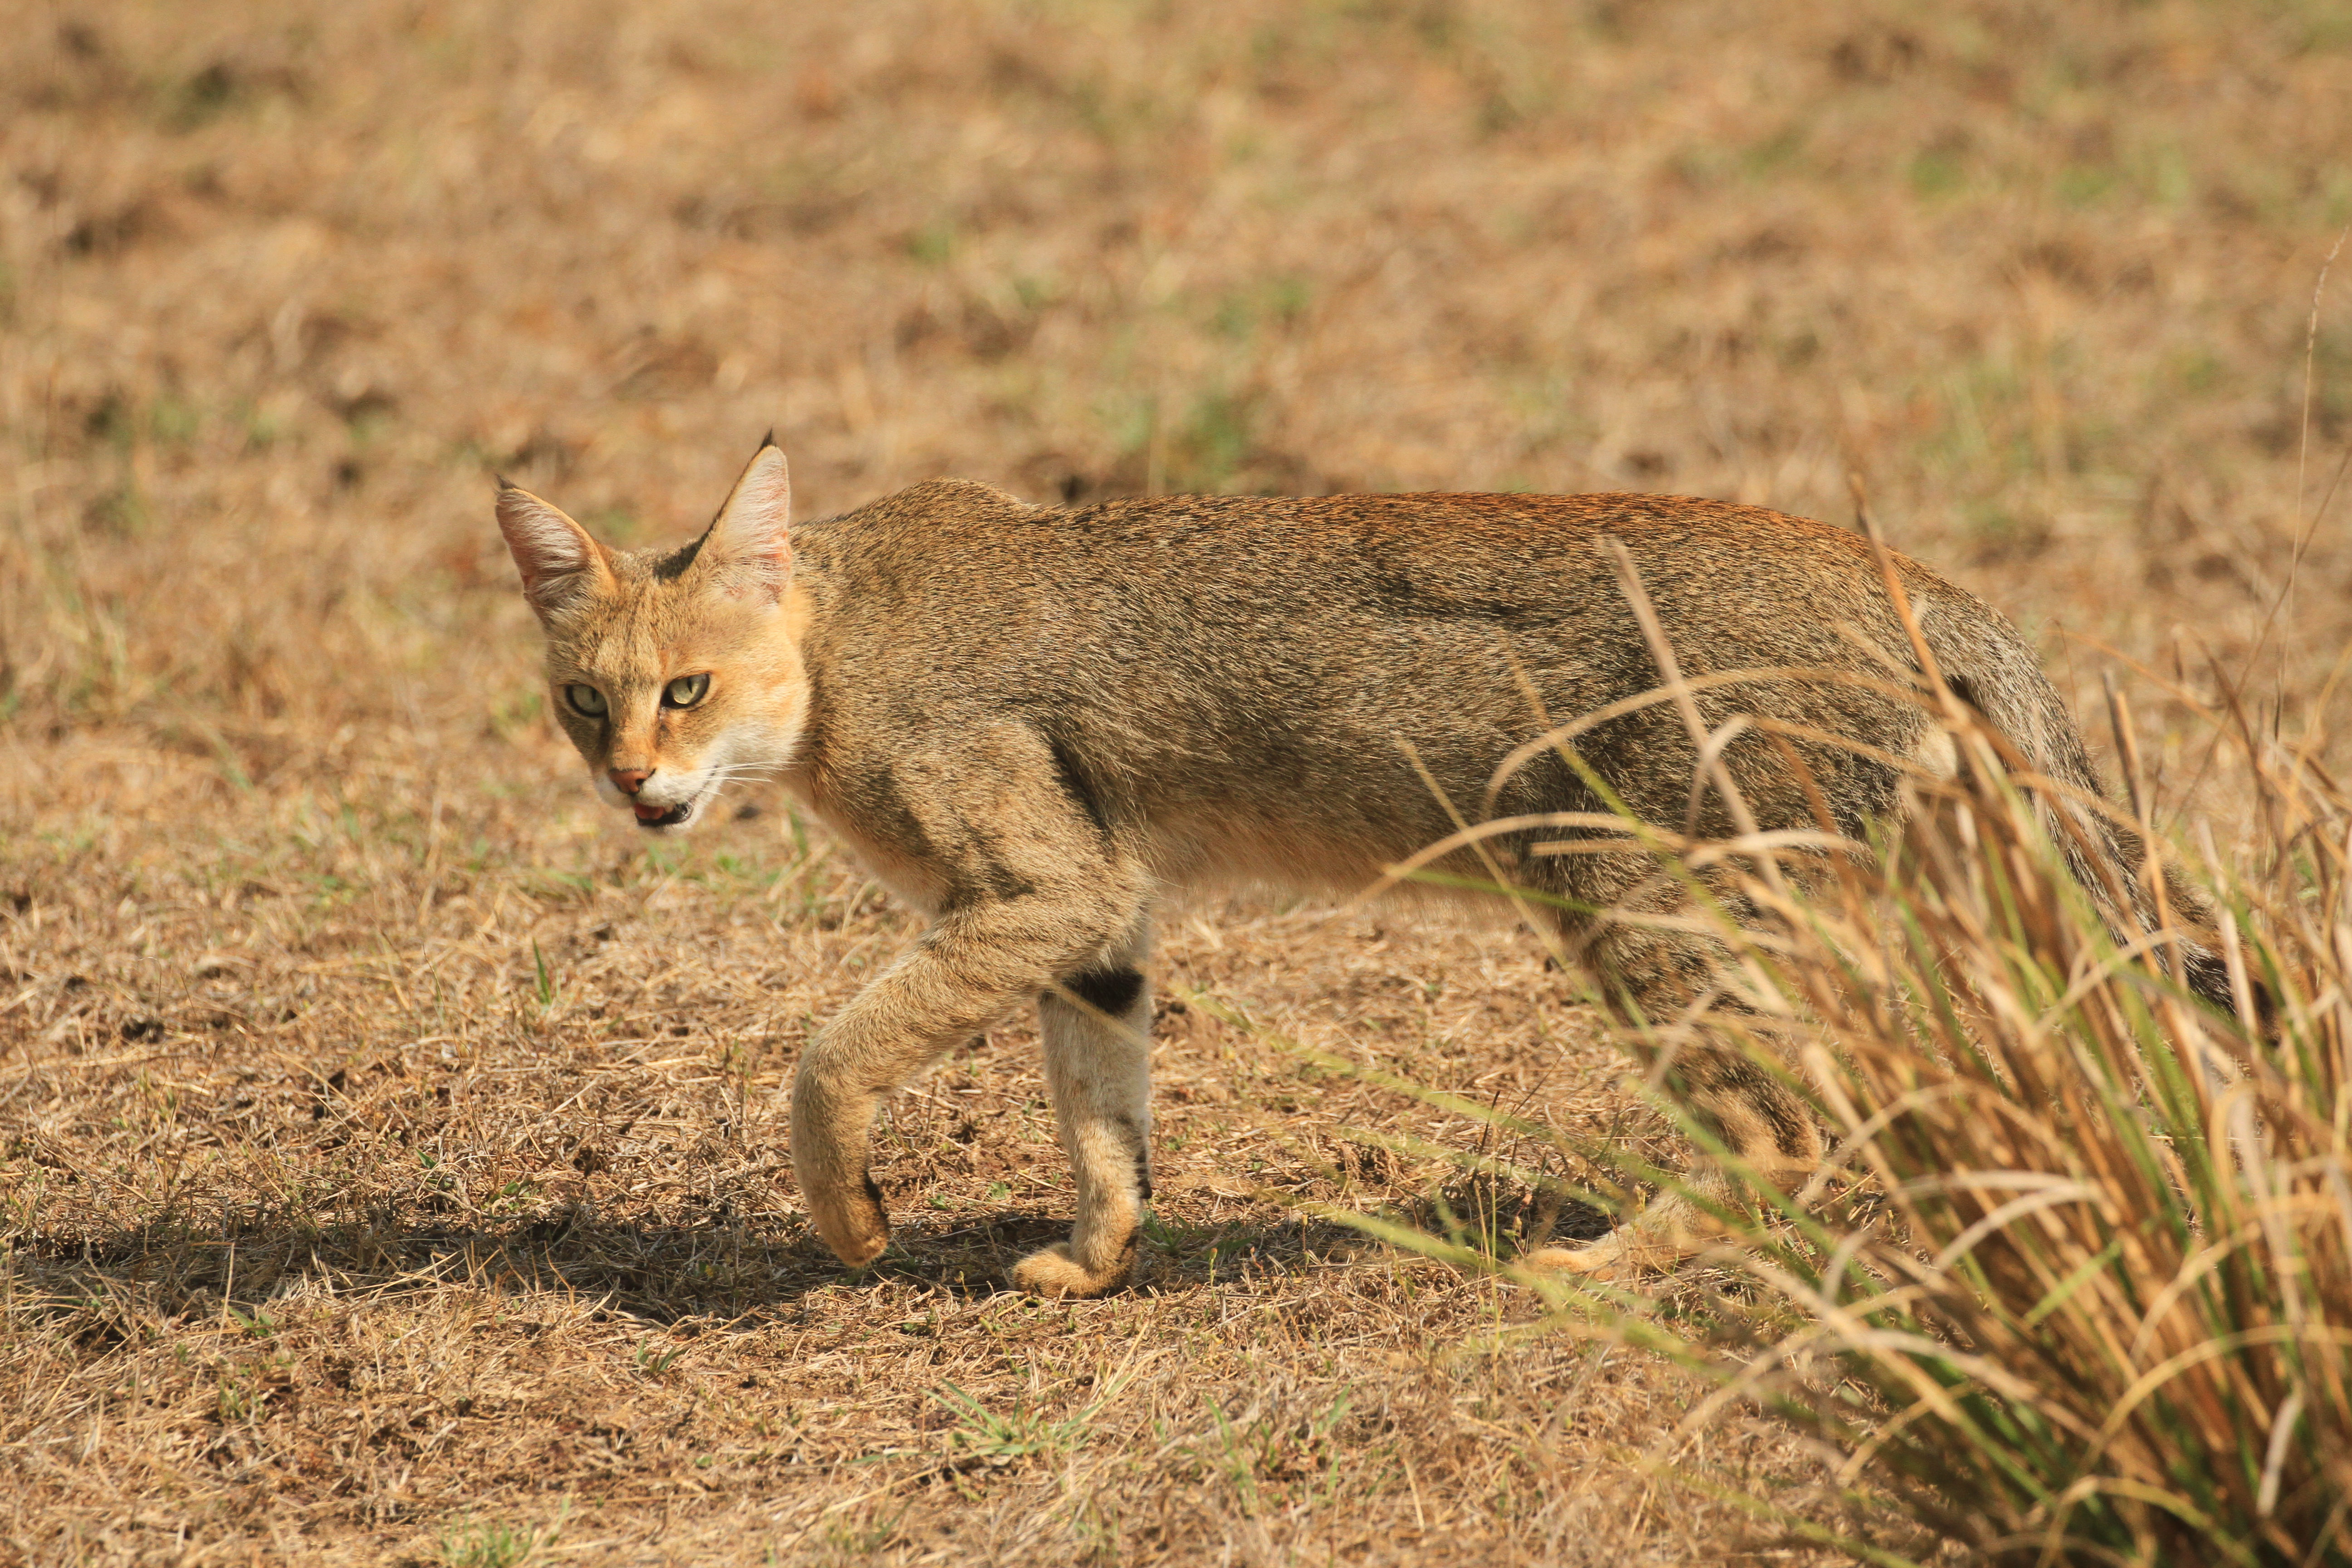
{"x": 748, "y": 552}
{"x": 560, "y": 564}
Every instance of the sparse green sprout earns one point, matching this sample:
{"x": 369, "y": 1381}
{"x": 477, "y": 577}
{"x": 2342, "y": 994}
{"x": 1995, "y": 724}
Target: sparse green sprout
{"x": 494, "y": 1543}
{"x": 1022, "y": 1431}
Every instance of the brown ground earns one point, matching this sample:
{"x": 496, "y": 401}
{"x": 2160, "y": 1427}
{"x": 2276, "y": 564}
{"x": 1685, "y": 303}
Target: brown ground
{"x": 389, "y": 1142}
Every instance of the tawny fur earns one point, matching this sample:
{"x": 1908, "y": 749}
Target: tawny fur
{"x": 1037, "y": 724}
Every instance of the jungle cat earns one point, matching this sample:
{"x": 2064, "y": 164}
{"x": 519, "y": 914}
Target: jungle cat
{"x": 1035, "y": 724}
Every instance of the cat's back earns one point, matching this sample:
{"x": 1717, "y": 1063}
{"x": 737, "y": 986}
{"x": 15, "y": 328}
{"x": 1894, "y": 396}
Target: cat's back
{"x": 959, "y": 549}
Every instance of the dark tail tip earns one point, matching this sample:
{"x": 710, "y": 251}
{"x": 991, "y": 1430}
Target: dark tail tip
{"x": 2209, "y": 978}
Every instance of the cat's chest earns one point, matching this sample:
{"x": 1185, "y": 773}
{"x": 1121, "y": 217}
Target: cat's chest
{"x": 903, "y": 866}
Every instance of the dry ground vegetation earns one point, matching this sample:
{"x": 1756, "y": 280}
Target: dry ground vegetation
{"x": 390, "y": 1144}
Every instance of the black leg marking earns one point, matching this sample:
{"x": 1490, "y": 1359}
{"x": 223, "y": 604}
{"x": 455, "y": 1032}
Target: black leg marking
{"x": 1139, "y": 1149}
{"x": 871, "y": 1190}
{"x": 1110, "y": 991}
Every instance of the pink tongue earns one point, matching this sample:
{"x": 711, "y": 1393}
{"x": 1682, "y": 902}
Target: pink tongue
{"x": 648, "y": 813}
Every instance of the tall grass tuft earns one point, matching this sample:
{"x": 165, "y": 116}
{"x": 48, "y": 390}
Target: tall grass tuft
{"x": 2089, "y": 1296}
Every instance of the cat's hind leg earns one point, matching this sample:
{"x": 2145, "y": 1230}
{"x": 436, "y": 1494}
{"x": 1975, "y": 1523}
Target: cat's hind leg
{"x": 1765, "y": 1129}
{"x": 1664, "y": 979}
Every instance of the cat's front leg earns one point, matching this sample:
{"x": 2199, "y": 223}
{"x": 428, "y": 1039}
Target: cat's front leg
{"x": 969, "y": 969}
{"x": 840, "y": 1081}
{"x": 1096, "y": 1025}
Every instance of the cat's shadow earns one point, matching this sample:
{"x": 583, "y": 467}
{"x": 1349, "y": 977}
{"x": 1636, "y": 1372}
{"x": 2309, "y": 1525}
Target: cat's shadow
{"x": 716, "y": 1272}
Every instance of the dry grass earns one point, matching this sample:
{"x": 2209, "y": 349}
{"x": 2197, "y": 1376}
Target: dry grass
{"x": 2109, "y": 1293}
{"x": 2077, "y": 1286}
{"x": 392, "y": 1165}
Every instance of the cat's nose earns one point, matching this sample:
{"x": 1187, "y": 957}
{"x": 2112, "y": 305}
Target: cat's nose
{"x": 630, "y": 780}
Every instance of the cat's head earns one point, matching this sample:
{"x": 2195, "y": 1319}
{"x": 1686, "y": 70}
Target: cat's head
{"x": 672, "y": 671}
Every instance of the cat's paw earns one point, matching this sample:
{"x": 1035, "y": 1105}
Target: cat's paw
{"x": 1629, "y": 1252}
{"x": 1597, "y": 1262}
{"x": 853, "y": 1223}
{"x": 1671, "y": 1230}
{"x": 1053, "y": 1271}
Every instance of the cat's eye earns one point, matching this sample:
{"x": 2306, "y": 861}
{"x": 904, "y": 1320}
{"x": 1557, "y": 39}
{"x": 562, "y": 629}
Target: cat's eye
{"x": 685, "y": 692}
{"x": 586, "y": 701}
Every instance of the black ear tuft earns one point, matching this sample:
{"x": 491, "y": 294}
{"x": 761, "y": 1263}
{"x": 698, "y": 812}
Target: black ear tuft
{"x": 504, "y": 483}
{"x": 766, "y": 441}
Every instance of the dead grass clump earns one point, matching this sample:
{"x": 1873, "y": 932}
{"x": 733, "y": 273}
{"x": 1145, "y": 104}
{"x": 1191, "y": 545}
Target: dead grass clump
{"x": 2100, "y": 1309}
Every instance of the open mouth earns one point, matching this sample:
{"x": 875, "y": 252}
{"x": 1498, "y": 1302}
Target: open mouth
{"x": 663, "y": 817}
